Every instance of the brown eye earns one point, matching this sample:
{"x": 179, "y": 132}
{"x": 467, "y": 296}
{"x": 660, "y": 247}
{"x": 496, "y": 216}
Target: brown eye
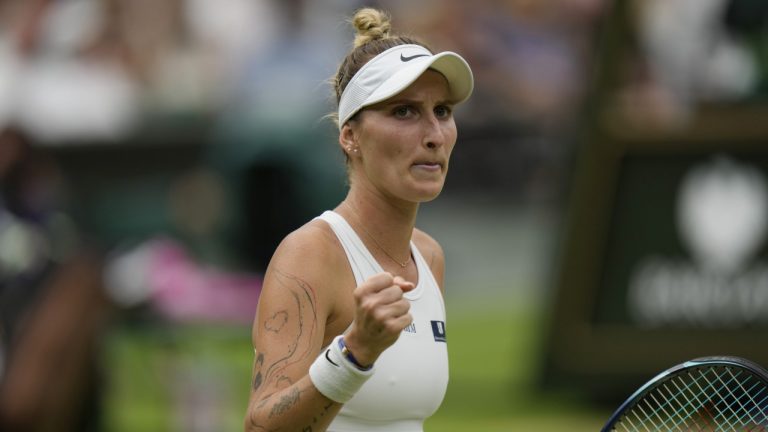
{"x": 403, "y": 111}
{"x": 442, "y": 111}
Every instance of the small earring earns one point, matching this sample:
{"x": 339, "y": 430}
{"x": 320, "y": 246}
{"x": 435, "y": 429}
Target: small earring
{"x": 354, "y": 149}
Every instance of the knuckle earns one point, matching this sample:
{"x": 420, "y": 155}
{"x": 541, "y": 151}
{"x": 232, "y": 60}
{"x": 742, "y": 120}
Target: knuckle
{"x": 394, "y": 327}
{"x": 378, "y": 314}
{"x": 403, "y": 305}
{"x": 367, "y": 305}
{"x": 384, "y": 279}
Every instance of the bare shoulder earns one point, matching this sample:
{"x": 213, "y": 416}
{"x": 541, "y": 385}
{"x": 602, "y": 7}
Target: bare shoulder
{"x": 311, "y": 257}
{"x": 313, "y": 243}
{"x": 432, "y": 252}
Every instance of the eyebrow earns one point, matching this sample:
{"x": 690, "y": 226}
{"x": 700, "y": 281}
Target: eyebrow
{"x": 406, "y": 101}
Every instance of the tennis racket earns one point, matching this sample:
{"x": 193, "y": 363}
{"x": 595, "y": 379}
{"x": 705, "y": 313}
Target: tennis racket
{"x": 704, "y": 394}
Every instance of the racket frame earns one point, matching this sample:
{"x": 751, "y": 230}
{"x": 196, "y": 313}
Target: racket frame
{"x": 638, "y": 395}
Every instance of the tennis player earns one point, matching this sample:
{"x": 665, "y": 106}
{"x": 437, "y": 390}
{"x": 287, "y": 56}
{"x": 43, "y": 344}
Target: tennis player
{"x": 350, "y": 333}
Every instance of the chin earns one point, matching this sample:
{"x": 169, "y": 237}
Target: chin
{"x": 432, "y": 198}
{"x": 427, "y": 195}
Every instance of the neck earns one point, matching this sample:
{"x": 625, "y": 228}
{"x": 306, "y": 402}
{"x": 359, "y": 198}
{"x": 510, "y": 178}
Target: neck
{"x": 390, "y": 223}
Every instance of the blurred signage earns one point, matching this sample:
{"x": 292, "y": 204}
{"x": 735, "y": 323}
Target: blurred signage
{"x": 666, "y": 259}
{"x": 722, "y": 216}
{"x": 700, "y": 261}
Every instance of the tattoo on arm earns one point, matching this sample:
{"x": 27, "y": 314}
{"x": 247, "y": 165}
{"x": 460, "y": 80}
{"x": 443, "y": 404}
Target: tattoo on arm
{"x": 257, "y": 377}
{"x": 285, "y": 403}
{"x": 304, "y": 308}
{"x": 316, "y": 418}
{"x": 297, "y": 324}
{"x": 284, "y": 381}
{"x": 276, "y": 323}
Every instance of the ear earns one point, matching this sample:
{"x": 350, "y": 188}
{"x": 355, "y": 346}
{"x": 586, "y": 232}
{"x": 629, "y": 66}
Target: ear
{"x": 347, "y": 139}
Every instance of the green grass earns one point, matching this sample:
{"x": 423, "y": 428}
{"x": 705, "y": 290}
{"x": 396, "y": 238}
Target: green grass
{"x": 166, "y": 379}
{"x": 177, "y": 378}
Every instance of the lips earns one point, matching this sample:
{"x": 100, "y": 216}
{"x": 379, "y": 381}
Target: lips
{"x": 429, "y": 168}
{"x": 428, "y": 163}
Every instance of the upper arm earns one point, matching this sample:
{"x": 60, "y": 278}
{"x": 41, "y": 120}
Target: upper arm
{"x": 433, "y": 254}
{"x": 296, "y": 299}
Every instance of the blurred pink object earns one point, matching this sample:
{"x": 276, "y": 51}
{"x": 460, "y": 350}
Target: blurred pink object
{"x": 184, "y": 290}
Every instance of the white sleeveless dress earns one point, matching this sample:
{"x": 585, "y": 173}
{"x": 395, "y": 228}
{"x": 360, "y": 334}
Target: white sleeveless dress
{"x": 412, "y": 375}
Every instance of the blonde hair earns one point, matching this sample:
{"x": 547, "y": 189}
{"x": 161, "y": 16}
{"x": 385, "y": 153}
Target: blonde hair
{"x": 370, "y": 24}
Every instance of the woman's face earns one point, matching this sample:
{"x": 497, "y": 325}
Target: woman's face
{"x": 404, "y": 143}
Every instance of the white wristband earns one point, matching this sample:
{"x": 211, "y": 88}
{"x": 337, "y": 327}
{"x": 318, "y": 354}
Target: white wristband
{"x": 336, "y": 377}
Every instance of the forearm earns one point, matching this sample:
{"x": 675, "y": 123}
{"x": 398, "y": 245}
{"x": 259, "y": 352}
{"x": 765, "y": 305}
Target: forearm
{"x": 298, "y": 407}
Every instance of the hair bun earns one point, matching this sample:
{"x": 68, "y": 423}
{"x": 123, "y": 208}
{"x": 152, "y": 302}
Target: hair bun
{"x": 370, "y": 24}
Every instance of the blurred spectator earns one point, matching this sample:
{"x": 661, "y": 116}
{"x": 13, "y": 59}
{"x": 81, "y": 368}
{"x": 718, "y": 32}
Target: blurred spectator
{"x": 689, "y": 53}
{"x": 52, "y": 307}
{"x": 285, "y": 84}
{"x": 101, "y": 70}
{"x": 747, "y": 21}
{"x": 699, "y": 59}
{"x": 53, "y": 87}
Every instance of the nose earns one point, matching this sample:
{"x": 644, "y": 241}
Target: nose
{"x": 434, "y": 134}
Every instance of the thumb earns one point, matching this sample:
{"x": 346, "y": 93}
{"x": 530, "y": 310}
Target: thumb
{"x": 404, "y": 285}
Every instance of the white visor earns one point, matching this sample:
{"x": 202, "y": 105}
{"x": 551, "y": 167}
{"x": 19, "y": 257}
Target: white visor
{"x": 395, "y": 69}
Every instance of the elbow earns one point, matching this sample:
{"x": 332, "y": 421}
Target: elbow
{"x": 252, "y": 423}
{"x": 257, "y": 421}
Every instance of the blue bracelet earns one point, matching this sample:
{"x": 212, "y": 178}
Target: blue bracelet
{"x": 348, "y": 355}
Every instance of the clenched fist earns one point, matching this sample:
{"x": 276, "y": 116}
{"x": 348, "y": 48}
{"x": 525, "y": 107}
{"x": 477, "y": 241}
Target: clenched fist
{"x": 381, "y": 313}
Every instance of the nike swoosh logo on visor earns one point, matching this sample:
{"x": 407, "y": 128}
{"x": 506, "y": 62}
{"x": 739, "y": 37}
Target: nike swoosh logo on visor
{"x": 405, "y": 59}
{"x": 329, "y": 359}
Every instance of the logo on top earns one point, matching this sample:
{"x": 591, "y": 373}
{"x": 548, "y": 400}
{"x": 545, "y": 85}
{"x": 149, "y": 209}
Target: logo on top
{"x": 409, "y": 58}
{"x": 438, "y": 330}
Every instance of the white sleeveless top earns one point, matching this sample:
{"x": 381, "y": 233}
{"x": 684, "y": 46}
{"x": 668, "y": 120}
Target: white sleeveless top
{"x": 411, "y": 375}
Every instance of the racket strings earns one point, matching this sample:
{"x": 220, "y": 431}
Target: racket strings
{"x": 703, "y": 399}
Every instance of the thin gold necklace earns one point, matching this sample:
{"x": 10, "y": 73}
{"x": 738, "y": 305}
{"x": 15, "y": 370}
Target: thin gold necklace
{"x": 359, "y": 222}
